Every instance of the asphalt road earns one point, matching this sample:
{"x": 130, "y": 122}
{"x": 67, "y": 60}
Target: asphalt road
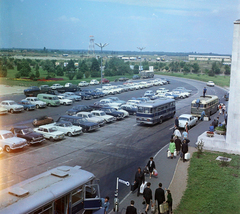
{"x": 115, "y": 150}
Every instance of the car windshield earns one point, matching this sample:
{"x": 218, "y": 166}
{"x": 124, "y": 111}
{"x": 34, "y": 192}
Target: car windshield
{"x": 183, "y": 118}
{"x": 26, "y": 102}
{"x": 55, "y": 98}
{"x": 27, "y": 130}
{"x": 53, "y": 129}
{"x": 36, "y": 99}
{"x": 102, "y": 113}
{"x": 68, "y": 124}
{"x": 7, "y": 135}
{"x": 12, "y": 103}
{"x": 90, "y": 115}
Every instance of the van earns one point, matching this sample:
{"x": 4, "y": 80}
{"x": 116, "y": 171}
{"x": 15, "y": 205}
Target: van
{"x": 51, "y": 100}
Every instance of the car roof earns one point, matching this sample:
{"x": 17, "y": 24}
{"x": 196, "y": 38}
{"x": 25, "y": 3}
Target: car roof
{"x": 84, "y": 112}
{"x": 62, "y": 122}
{"x": 185, "y": 115}
{"x": 8, "y": 101}
{"x": 20, "y": 127}
{"x": 4, "y": 131}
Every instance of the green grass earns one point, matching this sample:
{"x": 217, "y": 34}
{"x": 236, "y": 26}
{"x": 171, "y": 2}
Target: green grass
{"x": 211, "y": 188}
{"x": 223, "y": 81}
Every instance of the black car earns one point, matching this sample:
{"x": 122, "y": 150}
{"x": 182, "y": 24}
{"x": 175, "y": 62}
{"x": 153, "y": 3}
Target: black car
{"x": 79, "y": 121}
{"x": 123, "y": 79}
{"x": 75, "y": 109}
{"x": 135, "y": 77}
{"x": 91, "y": 92}
{"x": 72, "y": 88}
{"x": 83, "y": 95}
{"x": 130, "y": 109}
{"x": 32, "y": 91}
{"x": 98, "y": 105}
{"x": 112, "y": 111}
{"x": 27, "y": 133}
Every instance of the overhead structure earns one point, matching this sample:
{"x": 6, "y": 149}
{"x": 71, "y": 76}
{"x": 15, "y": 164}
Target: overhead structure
{"x": 91, "y": 48}
{"x": 140, "y": 67}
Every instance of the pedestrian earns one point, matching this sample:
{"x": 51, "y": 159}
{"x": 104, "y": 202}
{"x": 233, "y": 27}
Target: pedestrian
{"x": 172, "y": 147}
{"x": 186, "y": 127}
{"x": 176, "y": 123}
{"x": 177, "y": 133}
{"x": 204, "y": 91}
{"x": 169, "y": 201}
{"x": 220, "y": 124}
{"x": 211, "y": 128}
{"x": 220, "y": 109}
{"x": 105, "y": 203}
{"x": 214, "y": 123}
{"x": 225, "y": 118}
{"x": 159, "y": 196}
{"x": 184, "y": 149}
{"x": 223, "y": 108}
{"x": 151, "y": 166}
{"x": 139, "y": 179}
{"x": 217, "y": 121}
{"x": 202, "y": 115}
{"x": 178, "y": 144}
{"x": 131, "y": 209}
{"x": 184, "y": 135}
{"x": 147, "y": 196}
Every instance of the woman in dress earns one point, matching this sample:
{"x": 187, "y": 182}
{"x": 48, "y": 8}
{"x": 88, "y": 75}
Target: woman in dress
{"x": 172, "y": 147}
{"x": 151, "y": 166}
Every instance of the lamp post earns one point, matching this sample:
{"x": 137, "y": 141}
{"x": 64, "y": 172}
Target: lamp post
{"x": 101, "y": 46}
{"x": 141, "y": 55}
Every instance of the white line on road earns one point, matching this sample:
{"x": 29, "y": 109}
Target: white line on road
{"x": 171, "y": 128}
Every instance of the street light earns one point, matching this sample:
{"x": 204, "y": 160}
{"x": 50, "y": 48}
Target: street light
{"x": 141, "y": 56}
{"x": 101, "y": 46}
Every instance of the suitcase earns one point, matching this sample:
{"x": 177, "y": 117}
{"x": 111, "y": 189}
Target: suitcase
{"x": 163, "y": 207}
{"x": 175, "y": 153}
{"x": 134, "y": 186}
{"x": 187, "y": 156}
{"x": 142, "y": 187}
{"x": 168, "y": 154}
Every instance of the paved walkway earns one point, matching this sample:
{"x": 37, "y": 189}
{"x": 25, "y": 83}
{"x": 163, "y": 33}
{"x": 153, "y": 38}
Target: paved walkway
{"x": 6, "y": 90}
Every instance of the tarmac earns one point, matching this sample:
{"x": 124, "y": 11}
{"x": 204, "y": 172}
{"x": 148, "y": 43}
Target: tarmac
{"x": 6, "y": 90}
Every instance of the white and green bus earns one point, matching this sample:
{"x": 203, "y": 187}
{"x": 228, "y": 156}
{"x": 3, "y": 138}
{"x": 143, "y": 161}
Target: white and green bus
{"x": 209, "y": 104}
{"x": 62, "y": 190}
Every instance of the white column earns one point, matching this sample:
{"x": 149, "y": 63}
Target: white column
{"x": 233, "y": 124}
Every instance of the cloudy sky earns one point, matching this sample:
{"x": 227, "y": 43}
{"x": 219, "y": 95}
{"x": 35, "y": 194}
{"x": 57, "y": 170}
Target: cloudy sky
{"x": 159, "y": 25}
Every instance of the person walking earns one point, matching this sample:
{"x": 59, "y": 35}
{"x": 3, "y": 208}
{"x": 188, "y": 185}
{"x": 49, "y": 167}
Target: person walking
{"x": 147, "y": 196}
{"x": 151, "y": 166}
{"x": 202, "y": 115}
{"x": 169, "y": 201}
{"x": 184, "y": 149}
{"x": 186, "y": 127}
{"x": 220, "y": 109}
{"x": 184, "y": 135}
{"x": 223, "y": 108}
{"x": 177, "y": 133}
{"x": 105, "y": 203}
{"x": 211, "y": 128}
{"x": 176, "y": 123}
{"x": 139, "y": 179}
{"x": 204, "y": 91}
{"x": 225, "y": 117}
{"x": 131, "y": 209}
{"x": 178, "y": 144}
{"x": 172, "y": 147}
{"x": 159, "y": 196}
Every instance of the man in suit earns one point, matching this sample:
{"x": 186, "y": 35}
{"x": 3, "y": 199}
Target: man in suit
{"x": 131, "y": 209}
{"x": 159, "y": 196}
{"x": 139, "y": 179}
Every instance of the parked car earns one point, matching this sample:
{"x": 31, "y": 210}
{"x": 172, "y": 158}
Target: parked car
{"x": 117, "y": 100}
{"x": 120, "y": 109}
{"x": 72, "y": 96}
{"x": 12, "y": 106}
{"x": 42, "y": 121}
{"x": 103, "y": 115}
{"x": 3, "y": 110}
{"x": 83, "y": 95}
{"x": 123, "y": 79}
{"x": 191, "y": 120}
{"x": 50, "y": 132}
{"x": 98, "y": 105}
{"x": 9, "y": 142}
{"x": 32, "y": 91}
{"x": 75, "y": 109}
{"x": 135, "y": 77}
{"x": 55, "y": 86}
{"x": 94, "y": 82}
{"x": 79, "y": 121}
{"x": 104, "y": 80}
{"x": 184, "y": 89}
{"x": 27, "y": 133}
{"x": 210, "y": 83}
{"x": 37, "y": 102}
{"x": 64, "y": 101}
{"x": 149, "y": 93}
{"x": 91, "y": 118}
{"x": 83, "y": 83}
{"x": 68, "y": 84}
{"x": 68, "y": 128}
{"x": 129, "y": 108}
{"x": 27, "y": 105}
{"x": 109, "y": 102}
{"x": 112, "y": 111}
{"x": 91, "y": 92}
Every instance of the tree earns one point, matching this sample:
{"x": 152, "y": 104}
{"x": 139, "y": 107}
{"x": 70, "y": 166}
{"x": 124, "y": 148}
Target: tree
{"x": 37, "y": 74}
{"x": 136, "y": 69}
{"x": 79, "y": 75}
{"x": 215, "y": 68}
{"x": 70, "y": 66}
{"x": 59, "y": 71}
{"x": 83, "y": 67}
{"x": 227, "y": 69}
{"x": 48, "y": 66}
{"x": 70, "y": 74}
{"x": 87, "y": 74}
{"x": 186, "y": 69}
{"x": 196, "y": 68}
{"x": 25, "y": 69}
{"x": 95, "y": 68}
{"x": 3, "y": 71}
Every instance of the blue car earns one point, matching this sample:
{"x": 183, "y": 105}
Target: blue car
{"x": 27, "y": 105}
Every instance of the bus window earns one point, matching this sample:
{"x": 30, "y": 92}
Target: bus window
{"x": 44, "y": 210}
{"x": 77, "y": 195}
{"x": 140, "y": 109}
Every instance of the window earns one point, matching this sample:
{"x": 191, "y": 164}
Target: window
{"x": 77, "y": 195}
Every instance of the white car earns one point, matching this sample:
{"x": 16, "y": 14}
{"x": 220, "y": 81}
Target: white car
{"x": 37, "y": 102}
{"x": 162, "y": 91}
{"x": 55, "y": 86}
{"x": 50, "y": 132}
{"x": 3, "y": 110}
{"x": 210, "y": 83}
{"x": 91, "y": 118}
{"x": 117, "y": 100}
{"x": 83, "y": 83}
{"x": 125, "y": 113}
{"x": 191, "y": 120}
{"x": 67, "y": 127}
{"x": 94, "y": 82}
{"x": 68, "y": 84}
{"x": 12, "y": 106}
{"x": 109, "y": 102}
{"x": 9, "y": 142}
{"x": 64, "y": 101}
{"x": 103, "y": 115}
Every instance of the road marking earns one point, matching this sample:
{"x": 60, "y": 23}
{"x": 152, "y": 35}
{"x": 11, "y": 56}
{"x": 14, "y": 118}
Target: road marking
{"x": 128, "y": 136}
{"x": 171, "y": 128}
{"x": 135, "y": 124}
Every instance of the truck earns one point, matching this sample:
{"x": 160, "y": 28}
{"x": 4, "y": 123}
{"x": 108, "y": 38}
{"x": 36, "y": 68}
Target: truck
{"x": 146, "y": 74}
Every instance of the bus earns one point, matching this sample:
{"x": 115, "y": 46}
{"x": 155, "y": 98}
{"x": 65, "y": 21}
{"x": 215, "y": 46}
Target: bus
{"x": 209, "y": 104}
{"x": 155, "y": 111}
{"x": 62, "y": 190}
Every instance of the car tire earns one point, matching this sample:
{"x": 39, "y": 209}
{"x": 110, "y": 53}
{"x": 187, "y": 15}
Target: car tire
{"x": 35, "y": 122}
{"x": 27, "y": 109}
{"x": 160, "y": 121}
{"x": 69, "y": 134}
{"x": 7, "y": 149}
{"x": 11, "y": 111}
{"x": 84, "y": 130}
{"x": 37, "y": 106}
{"x": 48, "y": 104}
{"x": 51, "y": 139}
{"x": 64, "y": 104}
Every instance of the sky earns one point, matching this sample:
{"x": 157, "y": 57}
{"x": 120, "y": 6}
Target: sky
{"x": 201, "y": 26}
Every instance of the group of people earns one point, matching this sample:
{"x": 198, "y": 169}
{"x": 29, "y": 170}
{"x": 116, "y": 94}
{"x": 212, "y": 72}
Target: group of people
{"x": 159, "y": 198}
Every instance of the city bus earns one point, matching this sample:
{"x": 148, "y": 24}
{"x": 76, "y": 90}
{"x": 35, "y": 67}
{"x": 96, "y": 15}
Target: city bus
{"x": 209, "y": 104}
{"x": 155, "y": 111}
{"x": 62, "y": 190}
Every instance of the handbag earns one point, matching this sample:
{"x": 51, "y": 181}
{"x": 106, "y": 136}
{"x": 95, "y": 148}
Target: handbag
{"x": 175, "y": 153}
{"x": 142, "y": 187}
{"x": 163, "y": 207}
{"x": 155, "y": 173}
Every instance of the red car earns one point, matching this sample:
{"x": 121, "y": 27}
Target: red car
{"x": 105, "y": 80}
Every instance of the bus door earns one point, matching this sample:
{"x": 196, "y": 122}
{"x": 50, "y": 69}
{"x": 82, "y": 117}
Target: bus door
{"x": 61, "y": 205}
{"x": 92, "y": 200}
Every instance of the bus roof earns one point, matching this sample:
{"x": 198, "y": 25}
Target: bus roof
{"x": 206, "y": 99}
{"x": 154, "y": 103}
{"x": 43, "y": 188}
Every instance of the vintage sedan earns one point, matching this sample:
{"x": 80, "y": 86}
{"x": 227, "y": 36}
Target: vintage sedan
{"x": 9, "y": 142}
{"x": 91, "y": 118}
{"x": 12, "y": 106}
{"x": 3, "y": 110}
{"x": 131, "y": 109}
{"x": 113, "y": 112}
{"x": 117, "y": 100}
{"x": 50, "y": 132}
{"x": 72, "y": 96}
{"x": 67, "y": 127}
{"x": 37, "y": 102}
{"x": 103, "y": 115}
{"x": 75, "y": 109}
{"x": 55, "y": 86}
{"x": 120, "y": 109}
{"x": 110, "y": 102}
{"x": 27, "y": 105}
{"x": 94, "y": 82}
{"x": 83, "y": 95}
{"x": 64, "y": 101}
{"x": 83, "y": 83}
{"x": 191, "y": 120}
{"x": 42, "y": 121}
{"x": 210, "y": 83}
{"x": 27, "y": 133}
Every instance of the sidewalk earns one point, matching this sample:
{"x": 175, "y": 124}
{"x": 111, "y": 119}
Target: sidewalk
{"x": 6, "y": 90}
{"x": 167, "y": 168}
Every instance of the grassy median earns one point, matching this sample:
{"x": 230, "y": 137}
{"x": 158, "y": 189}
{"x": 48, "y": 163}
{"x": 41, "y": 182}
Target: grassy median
{"x": 213, "y": 186}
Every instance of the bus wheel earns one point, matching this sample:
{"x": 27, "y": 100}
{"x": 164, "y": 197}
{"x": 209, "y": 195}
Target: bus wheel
{"x": 160, "y": 120}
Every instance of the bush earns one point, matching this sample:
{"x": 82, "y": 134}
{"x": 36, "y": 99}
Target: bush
{"x": 18, "y": 75}
{"x": 79, "y": 75}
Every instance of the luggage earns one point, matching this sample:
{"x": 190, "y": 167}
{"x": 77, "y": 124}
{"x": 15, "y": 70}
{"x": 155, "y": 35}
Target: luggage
{"x": 175, "y": 153}
{"x": 163, "y": 207}
{"x": 168, "y": 154}
{"x": 145, "y": 170}
{"x": 142, "y": 187}
{"x": 155, "y": 173}
{"x": 134, "y": 186}
{"x": 187, "y": 156}
{"x": 153, "y": 208}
